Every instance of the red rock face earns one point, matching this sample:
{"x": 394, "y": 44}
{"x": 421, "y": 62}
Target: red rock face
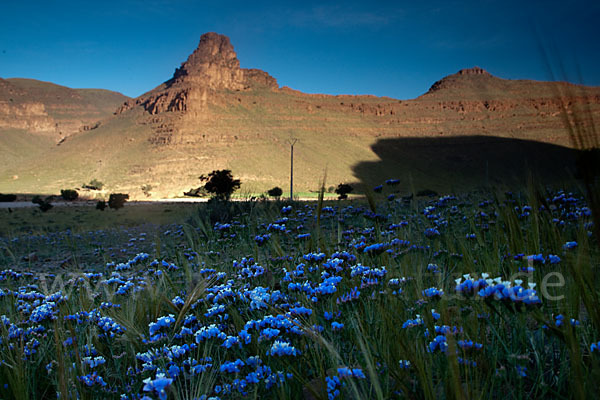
{"x": 473, "y": 71}
{"x": 212, "y": 66}
{"x": 210, "y": 90}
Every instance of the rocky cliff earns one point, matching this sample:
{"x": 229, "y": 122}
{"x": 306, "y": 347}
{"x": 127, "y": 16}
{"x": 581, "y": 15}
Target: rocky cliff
{"x": 211, "y": 67}
{"x": 51, "y": 110}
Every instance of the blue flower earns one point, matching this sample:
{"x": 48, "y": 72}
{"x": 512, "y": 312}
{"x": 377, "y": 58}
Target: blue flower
{"x": 280, "y": 348}
{"x": 178, "y": 301}
{"x": 93, "y": 379}
{"x": 300, "y": 311}
{"x": 336, "y": 326}
{"x": 332, "y": 387}
{"x": 345, "y": 372}
{"x": 261, "y": 239}
{"x": 314, "y": 257}
{"x": 432, "y": 292}
{"x": 536, "y": 259}
{"x": 93, "y": 362}
{"x": 376, "y": 248}
{"x": 232, "y": 366}
{"x": 174, "y": 371}
{"x": 158, "y": 385}
{"x": 286, "y": 209}
{"x": 438, "y": 343}
{"x": 431, "y": 233}
{"x": 553, "y": 259}
{"x": 162, "y": 322}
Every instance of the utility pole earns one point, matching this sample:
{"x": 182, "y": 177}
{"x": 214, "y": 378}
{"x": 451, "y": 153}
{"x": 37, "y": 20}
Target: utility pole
{"x": 292, "y": 142}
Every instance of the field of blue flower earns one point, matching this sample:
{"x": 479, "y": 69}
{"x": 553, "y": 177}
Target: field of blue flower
{"x": 472, "y": 296}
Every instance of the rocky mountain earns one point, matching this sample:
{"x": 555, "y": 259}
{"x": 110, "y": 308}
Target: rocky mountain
{"x": 51, "y": 110}
{"x": 214, "y": 114}
{"x": 213, "y": 67}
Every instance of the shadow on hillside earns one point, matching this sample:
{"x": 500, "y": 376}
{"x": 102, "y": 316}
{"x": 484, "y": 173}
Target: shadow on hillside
{"x": 465, "y": 163}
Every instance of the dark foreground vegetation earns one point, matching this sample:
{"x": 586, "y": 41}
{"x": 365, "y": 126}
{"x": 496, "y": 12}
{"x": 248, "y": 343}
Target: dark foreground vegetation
{"x": 481, "y": 295}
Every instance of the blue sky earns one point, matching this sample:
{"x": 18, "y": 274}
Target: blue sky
{"x": 396, "y": 48}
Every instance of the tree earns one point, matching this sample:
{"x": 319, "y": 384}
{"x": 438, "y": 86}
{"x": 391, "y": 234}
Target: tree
{"x": 275, "y": 192}
{"x": 7, "y": 197}
{"x": 220, "y": 184}
{"x": 117, "y": 200}
{"x": 69, "y": 194}
{"x": 342, "y": 190}
{"x": 44, "y": 204}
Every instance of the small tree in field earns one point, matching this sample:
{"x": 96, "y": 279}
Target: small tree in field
{"x": 275, "y": 192}
{"x": 101, "y": 205}
{"x": 44, "y": 204}
{"x": 69, "y": 194}
{"x": 117, "y": 200}
{"x": 220, "y": 184}
{"x": 342, "y": 190}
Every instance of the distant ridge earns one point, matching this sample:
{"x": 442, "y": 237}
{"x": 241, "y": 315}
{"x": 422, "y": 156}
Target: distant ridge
{"x": 52, "y": 110}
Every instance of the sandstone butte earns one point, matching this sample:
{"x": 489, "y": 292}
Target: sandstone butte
{"x": 468, "y": 127}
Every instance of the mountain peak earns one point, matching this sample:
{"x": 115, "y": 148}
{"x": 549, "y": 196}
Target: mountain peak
{"x": 473, "y": 71}
{"x": 462, "y": 78}
{"x": 212, "y": 67}
{"x": 213, "y": 64}
{"x": 214, "y": 51}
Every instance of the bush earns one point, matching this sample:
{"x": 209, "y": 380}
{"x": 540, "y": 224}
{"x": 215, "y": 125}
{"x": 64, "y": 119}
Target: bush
{"x": 342, "y": 190}
{"x": 69, "y": 194}
{"x": 220, "y": 184}
{"x": 117, "y": 200}
{"x": 7, "y": 198}
{"x": 197, "y": 192}
{"x": 45, "y": 204}
{"x": 101, "y": 205}
{"x": 275, "y": 192}
{"x": 146, "y": 190}
{"x": 94, "y": 184}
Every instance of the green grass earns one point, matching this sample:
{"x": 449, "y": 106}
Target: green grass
{"x": 86, "y": 218}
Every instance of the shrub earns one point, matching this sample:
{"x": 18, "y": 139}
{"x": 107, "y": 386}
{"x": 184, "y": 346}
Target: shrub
{"x": 275, "y": 192}
{"x": 197, "y": 192}
{"x": 94, "y": 184}
{"x": 146, "y": 190}
{"x": 6, "y": 198}
{"x": 100, "y": 205}
{"x": 342, "y": 190}
{"x": 45, "y": 204}
{"x": 117, "y": 200}
{"x": 69, "y": 194}
{"x": 220, "y": 184}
